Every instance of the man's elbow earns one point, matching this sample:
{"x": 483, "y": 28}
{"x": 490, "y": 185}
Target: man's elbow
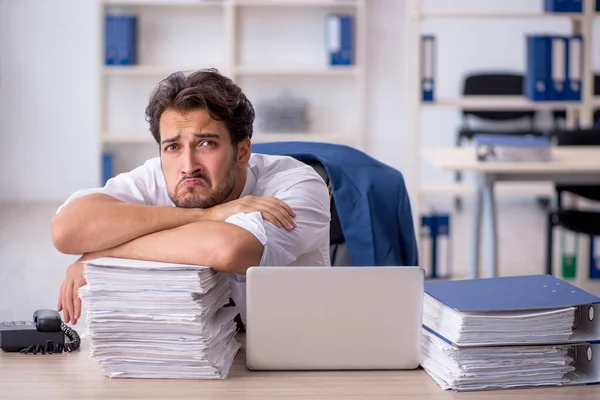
{"x": 63, "y": 236}
{"x": 239, "y": 254}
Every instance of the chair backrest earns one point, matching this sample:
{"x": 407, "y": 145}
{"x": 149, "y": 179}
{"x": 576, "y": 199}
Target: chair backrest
{"x": 338, "y": 250}
{"x": 495, "y": 84}
{"x": 578, "y": 137}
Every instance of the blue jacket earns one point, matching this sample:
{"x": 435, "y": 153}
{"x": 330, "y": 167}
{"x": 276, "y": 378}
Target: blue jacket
{"x": 371, "y": 200}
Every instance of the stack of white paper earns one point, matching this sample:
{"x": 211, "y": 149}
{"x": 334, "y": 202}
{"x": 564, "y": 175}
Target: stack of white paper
{"x": 158, "y": 320}
{"x": 517, "y": 327}
{"x": 494, "y": 367}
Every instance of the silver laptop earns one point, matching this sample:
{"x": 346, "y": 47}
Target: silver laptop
{"x": 317, "y": 318}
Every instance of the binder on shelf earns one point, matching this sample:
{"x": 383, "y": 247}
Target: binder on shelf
{"x": 120, "y": 33}
{"x": 107, "y": 167}
{"x": 594, "y": 257}
{"x": 573, "y": 6}
{"x": 513, "y": 296}
{"x": 558, "y": 69}
{"x": 536, "y": 81}
{"x": 574, "y": 67}
{"x": 428, "y": 51}
{"x": 598, "y": 5}
{"x": 436, "y": 245}
{"x": 340, "y": 39}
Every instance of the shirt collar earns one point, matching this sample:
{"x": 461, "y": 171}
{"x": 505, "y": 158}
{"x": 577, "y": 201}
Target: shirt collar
{"x": 250, "y": 182}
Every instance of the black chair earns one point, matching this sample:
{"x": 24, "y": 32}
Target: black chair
{"x": 560, "y": 116}
{"x": 579, "y": 221}
{"x": 338, "y": 250}
{"x": 493, "y": 84}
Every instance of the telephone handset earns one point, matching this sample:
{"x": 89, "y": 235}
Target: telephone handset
{"x": 45, "y": 334}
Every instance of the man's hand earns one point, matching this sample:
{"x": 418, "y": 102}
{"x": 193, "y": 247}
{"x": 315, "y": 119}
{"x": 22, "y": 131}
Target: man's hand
{"x": 68, "y": 301}
{"x": 272, "y": 209}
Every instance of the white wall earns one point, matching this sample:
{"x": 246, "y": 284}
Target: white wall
{"x": 48, "y": 94}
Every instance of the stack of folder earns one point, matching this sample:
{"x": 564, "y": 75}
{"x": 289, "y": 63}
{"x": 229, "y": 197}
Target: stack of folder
{"x": 511, "y": 148}
{"x": 157, "y": 320}
{"x": 499, "y": 333}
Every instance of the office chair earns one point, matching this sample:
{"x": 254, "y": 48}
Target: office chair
{"x": 559, "y": 116}
{"x": 493, "y": 84}
{"x": 338, "y": 250}
{"x": 579, "y": 221}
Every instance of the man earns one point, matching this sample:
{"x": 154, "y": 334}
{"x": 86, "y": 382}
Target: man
{"x": 205, "y": 201}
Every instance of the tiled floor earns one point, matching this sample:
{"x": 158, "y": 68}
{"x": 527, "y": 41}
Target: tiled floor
{"x": 31, "y": 270}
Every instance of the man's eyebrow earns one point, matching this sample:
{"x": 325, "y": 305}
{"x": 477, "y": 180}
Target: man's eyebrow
{"x": 197, "y": 135}
{"x": 171, "y": 140}
{"x": 207, "y": 136}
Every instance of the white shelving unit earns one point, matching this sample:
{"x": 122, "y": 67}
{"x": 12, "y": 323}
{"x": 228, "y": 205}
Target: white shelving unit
{"x": 230, "y": 17}
{"x": 576, "y": 111}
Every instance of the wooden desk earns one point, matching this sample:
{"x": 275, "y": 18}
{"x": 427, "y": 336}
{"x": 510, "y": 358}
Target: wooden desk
{"x": 75, "y": 376}
{"x": 572, "y": 165}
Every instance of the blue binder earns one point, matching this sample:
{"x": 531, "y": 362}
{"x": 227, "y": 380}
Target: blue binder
{"x": 597, "y": 5}
{"x": 537, "y": 79}
{"x": 428, "y": 60}
{"x": 574, "y": 68}
{"x": 558, "y": 68}
{"x": 520, "y": 293}
{"x": 340, "y": 39}
{"x": 107, "y": 167}
{"x": 120, "y": 39}
{"x": 563, "y": 6}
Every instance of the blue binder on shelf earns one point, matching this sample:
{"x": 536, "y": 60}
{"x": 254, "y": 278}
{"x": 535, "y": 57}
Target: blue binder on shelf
{"x": 538, "y": 58}
{"x": 340, "y": 39}
{"x": 594, "y": 257}
{"x": 574, "y": 68}
{"x": 436, "y": 245}
{"x": 574, "y": 6}
{"x": 120, "y": 39}
{"x": 428, "y": 60}
{"x": 107, "y": 167}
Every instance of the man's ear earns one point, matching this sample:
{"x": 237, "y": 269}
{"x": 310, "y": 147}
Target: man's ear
{"x": 243, "y": 153}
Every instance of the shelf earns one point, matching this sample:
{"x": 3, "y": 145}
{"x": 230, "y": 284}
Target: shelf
{"x": 258, "y": 137}
{"x": 501, "y": 103}
{"x": 498, "y": 15}
{"x": 296, "y": 3}
{"x": 501, "y": 189}
{"x": 304, "y": 71}
{"x": 145, "y": 70}
{"x": 169, "y": 3}
{"x": 130, "y": 138}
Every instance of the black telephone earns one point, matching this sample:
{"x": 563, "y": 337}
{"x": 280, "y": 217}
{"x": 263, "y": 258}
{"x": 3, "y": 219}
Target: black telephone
{"x": 45, "y": 334}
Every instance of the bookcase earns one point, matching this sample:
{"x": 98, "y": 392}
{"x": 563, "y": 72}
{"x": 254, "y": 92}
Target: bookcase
{"x": 578, "y": 112}
{"x": 271, "y": 48}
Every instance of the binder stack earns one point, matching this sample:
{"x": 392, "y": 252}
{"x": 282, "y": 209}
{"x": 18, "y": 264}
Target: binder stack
{"x": 511, "y": 148}
{"x": 499, "y": 333}
{"x": 554, "y": 67}
{"x": 157, "y": 320}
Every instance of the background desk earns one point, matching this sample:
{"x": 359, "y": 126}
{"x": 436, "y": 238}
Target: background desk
{"x": 75, "y": 376}
{"x": 573, "y": 165}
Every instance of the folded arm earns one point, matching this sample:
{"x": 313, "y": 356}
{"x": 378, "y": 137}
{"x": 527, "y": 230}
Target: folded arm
{"x": 97, "y": 222}
{"x": 222, "y": 246}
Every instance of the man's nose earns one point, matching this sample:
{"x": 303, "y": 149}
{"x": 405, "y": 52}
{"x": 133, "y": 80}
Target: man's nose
{"x": 191, "y": 165}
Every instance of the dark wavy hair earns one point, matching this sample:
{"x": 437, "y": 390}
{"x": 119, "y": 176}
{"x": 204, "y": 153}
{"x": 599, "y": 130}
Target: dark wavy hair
{"x": 203, "y": 89}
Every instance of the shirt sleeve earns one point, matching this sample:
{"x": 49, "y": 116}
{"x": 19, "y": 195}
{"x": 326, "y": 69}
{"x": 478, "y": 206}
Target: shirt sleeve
{"x": 138, "y": 186}
{"x": 309, "y": 198}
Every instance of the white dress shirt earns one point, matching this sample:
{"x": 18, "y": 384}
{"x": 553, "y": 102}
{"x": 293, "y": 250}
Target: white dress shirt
{"x": 286, "y": 178}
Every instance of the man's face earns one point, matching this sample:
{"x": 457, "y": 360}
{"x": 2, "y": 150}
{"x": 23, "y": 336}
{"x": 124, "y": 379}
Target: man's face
{"x": 198, "y": 159}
